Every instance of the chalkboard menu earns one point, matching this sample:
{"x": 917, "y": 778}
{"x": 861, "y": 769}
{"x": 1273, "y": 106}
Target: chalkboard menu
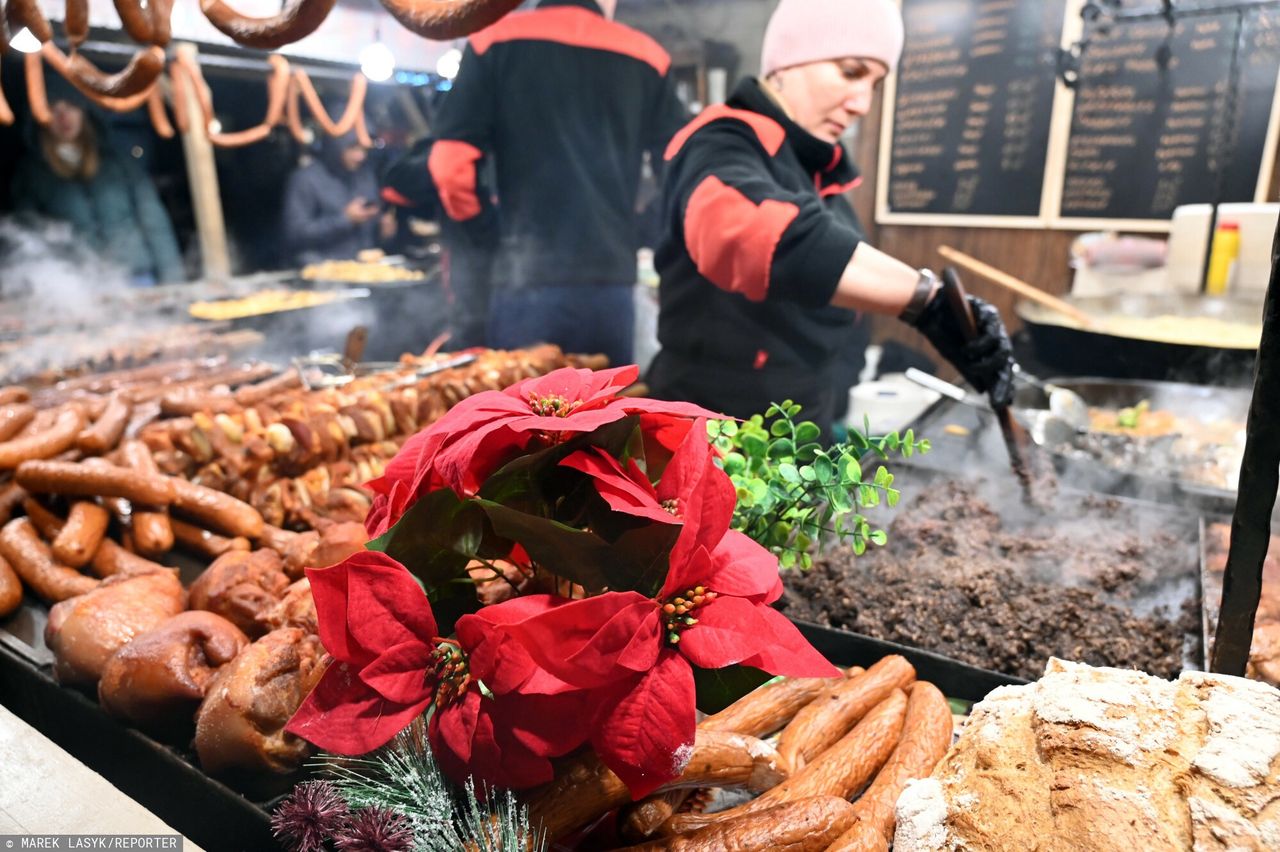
{"x": 970, "y": 111}
{"x": 1152, "y": 116}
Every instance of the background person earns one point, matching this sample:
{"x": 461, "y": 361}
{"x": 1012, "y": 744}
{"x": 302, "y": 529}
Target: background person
{"x": 566, "y": 102}
{"x": 331, "y": 208}
{"x": 75, "y": 176}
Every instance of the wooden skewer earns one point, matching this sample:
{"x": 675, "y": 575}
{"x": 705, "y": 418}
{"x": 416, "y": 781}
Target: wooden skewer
{"x": 1016, "y": 285}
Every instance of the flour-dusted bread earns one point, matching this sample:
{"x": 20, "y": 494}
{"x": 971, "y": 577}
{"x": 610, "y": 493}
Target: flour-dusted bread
{"x": 1105, "y": 759}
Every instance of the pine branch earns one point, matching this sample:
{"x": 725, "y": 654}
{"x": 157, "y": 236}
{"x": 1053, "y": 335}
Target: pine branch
{"x": 403, "y": 777}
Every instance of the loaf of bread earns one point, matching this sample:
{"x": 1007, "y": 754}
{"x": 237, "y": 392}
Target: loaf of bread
{"x": 1105, "y": 759}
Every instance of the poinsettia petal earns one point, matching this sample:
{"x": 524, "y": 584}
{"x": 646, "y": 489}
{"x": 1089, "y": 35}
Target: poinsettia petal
{"x": 703, "y": 493}
{"x": 586, "y": 387}
{"x": 663, "y": 434}
{"x": 591, "y": 642}
{"x": 727, "y": 632}
{"x": 452, "y": 729}
{"x": 467, "y": 461}
{"x": 788, "y": 652}
{"x": 385, "y": 607}
{"x": 646, "y": 738}
{"x": 644, "y": 405}
{"x": 467, "y": 743}
{"x": 399, "y": 673}
{"x": 626, "y": 491}
{"x": 366, "y": 604}
{"x": 689, "y": 573}
{"x": 548, "y": 725}
{"x": 735, "y": 630}
{"x": 743, "y": 568}
{"x": 496, "y": 658}
{"x": 343, "y": 716}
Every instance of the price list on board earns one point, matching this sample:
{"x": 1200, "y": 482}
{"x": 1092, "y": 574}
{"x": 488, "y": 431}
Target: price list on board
{"x": 972, "y": 107}
{"x": 1158, "y": 120}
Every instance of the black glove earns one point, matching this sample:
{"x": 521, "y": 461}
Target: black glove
{"x": 986, "y": 362}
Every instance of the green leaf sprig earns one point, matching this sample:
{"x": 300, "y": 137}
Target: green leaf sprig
{"x": 794, "y": 494}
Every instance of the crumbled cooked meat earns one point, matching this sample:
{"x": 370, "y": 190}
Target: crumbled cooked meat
{"x": 1006, "y": 593}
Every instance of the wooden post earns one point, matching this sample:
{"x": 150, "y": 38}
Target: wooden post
{"x": 202, "y": 175}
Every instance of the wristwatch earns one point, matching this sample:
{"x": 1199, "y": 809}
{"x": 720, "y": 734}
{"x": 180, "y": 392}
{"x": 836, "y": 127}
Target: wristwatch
{"x": 926, "y": 286}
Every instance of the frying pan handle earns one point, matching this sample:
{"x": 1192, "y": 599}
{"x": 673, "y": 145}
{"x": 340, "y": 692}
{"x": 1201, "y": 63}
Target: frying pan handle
{"x": 958, "y": 299}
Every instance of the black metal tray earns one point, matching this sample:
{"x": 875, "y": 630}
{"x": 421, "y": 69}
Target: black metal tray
{"x": 981, "y": 445}
{"x": 954, "y": 678}
{"x": 166, "y": 780}
{"x": 158, "y": 777}
{"x": 912, "y": 477}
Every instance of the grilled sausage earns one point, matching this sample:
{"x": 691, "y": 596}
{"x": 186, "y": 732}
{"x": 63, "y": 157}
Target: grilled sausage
{"x": 11, "y": 496}
{"x": 107, "y": 430}
{"x": 205, "y": 543}
{"x": 110, "y": 559}
{"x": 94, "y": 480}
{"x": 44, "y": 444}
{"x": 586, "y": 789}
{"x": 32, "y": 560}
{"x": 807, "y": 825}
{"x": 841, "y": 771}
{"x": 75, "y": 21}
{"x": 10, "y": 588}
{"x": 817, "y": 726}
{"x": 14, "y": 418}
{"x": 757, "y": 714}
{"x": 926, "y": 736}
{"x": 216, "y": 510}
{"x": 264, "y": 390}
{"x": 82, "y": 534}
{"x": 152, "y": 528}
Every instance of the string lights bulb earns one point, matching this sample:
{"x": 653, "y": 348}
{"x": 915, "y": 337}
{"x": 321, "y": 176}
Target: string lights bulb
{"x": 377, "y": 62}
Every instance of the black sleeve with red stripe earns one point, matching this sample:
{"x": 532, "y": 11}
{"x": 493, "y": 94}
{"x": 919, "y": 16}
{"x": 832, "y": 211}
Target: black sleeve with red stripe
{"x": 744, "y": 230}
{"x": 464, "y": 130}
{"x": 407, "y": 182}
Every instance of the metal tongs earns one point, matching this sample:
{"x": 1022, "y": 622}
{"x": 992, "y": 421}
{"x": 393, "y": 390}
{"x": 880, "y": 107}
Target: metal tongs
{"x": 1016, "y": 440}
{"x": 331, "y": 370}
{"x": 1046, "y": 428}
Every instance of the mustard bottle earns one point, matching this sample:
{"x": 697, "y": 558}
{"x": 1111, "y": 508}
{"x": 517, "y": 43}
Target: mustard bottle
{"x": 1226, "y": 251}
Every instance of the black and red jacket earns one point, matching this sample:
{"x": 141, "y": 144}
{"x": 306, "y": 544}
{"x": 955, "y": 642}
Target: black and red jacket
{"x": 758, "y": 236}
{"x": 567, "y": 102}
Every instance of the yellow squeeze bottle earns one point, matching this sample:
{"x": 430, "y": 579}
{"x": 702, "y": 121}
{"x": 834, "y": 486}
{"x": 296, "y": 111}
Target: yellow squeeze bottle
{"x": 1226, "y": 250}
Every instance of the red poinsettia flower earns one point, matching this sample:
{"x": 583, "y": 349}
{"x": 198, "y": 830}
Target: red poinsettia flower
{"x": 483, "y": 432}
{"x": 712, "y": 612}
{"x": 390, "y": 666}
{"x": 692, "y": 490}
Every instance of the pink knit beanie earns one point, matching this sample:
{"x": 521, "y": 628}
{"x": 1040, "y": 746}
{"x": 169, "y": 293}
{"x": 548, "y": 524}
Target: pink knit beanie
{"x": 803, "y": 31}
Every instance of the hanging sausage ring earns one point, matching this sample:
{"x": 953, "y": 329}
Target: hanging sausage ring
{"x": 433, "y": 19}
{"x": 446, "y": 19}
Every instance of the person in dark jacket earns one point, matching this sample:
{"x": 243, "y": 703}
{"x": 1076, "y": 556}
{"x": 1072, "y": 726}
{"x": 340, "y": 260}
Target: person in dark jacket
{"x": 567, "y": 102}
{"x": 331, "y": 209}
{"x": 468, "y": 246}
{"x": 108, "y": 200}
{"x": 763, "y": 263}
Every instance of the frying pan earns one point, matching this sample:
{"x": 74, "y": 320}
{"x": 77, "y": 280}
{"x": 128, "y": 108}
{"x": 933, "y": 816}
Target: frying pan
{"x": 1067, "y": 349}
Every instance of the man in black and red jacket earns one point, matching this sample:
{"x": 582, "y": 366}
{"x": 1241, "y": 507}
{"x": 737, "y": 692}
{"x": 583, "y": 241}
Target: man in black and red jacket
{"x": 467, "y": 262}
{"x": 763, "y": 262}
{"x": 567, "y": 102}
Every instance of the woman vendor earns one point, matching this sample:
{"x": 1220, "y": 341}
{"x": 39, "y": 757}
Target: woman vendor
{"x": 763, "y": 263}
